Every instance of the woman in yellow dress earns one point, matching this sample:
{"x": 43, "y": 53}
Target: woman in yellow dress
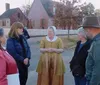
{"x": 51, "y": 67}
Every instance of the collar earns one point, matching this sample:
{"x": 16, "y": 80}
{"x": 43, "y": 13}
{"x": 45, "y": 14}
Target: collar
{"x": 97, "y": 37}
{"x": 54, "y": 39}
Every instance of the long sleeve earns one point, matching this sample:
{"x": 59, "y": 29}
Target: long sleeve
{"x": 75, "y": 52}
{"x": 93, "y": 63}
{"x": 89, "y": 67}
{"x": 42, "y": 46}
{"x": 60, "y": 46}
{"x": 12, "y": 51}
{"x": 89, "y": 63}
{"x": 26, "y": 34}
{"x": 3, "y": 77}
{"x": 29, "y": 53}
{"x": 76, "y": 48}
{"x": 28, "y": 48}
{"x": 42, "y": 43}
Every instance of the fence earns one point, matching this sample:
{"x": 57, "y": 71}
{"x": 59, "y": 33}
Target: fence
{"x": 41, "y": 32}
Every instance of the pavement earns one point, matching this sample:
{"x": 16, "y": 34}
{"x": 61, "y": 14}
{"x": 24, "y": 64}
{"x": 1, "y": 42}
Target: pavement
{"x": 34, "y": 45}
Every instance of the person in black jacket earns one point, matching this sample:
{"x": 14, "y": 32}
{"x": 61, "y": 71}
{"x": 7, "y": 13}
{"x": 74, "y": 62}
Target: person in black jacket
{"x": 77, "y": 64}
{"x": 25, "y": 33}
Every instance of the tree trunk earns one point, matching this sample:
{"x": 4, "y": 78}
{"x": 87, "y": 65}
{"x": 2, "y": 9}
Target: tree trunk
{"x": 68, "y": 33}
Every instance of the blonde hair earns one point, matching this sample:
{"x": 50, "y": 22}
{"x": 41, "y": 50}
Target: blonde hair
{"x": 14, "y": 29}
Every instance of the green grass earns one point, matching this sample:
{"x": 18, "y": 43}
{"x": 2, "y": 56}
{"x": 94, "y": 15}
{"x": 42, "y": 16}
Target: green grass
{"x": 68, "y": 43}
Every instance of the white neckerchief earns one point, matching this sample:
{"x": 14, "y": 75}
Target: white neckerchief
{"x": 54, "y": 39}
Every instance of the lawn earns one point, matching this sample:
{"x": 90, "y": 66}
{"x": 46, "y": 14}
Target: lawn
{"x": 69, "y": 43}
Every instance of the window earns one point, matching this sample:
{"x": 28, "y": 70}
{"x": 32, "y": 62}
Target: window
{"x": 33, "y": 23}
{"x": 4, "y": 23}
{"x": 19, "y": 15}
{"x": 42, "y": 23}
{"x": 7, "y": 21}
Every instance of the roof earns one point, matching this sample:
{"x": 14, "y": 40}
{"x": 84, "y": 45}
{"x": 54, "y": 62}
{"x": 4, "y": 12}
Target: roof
{"x": 48, "y": 5}
{"x": 8, "y": 13}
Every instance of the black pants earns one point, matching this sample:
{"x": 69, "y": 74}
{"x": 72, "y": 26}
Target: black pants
{"x": 23, "y": 73}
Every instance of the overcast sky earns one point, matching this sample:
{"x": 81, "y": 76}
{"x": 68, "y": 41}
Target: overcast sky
{"x": 20, "y": 3}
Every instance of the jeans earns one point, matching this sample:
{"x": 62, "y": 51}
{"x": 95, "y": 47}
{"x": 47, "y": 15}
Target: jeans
{"x": 23, "y": 73}
{"x": 80, "y": 80}
{"x": 87, "y": 83}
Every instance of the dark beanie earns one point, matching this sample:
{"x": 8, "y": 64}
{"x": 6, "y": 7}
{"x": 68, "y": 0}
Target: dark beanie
{"x": 1, "y": 32}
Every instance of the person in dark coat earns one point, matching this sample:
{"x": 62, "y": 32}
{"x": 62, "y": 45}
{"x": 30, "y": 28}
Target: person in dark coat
{"x": 26, "y": 34}
{"x": 77, "y": 64}
{"x": 18, "y": 47}
{"x": 92, "y": 25}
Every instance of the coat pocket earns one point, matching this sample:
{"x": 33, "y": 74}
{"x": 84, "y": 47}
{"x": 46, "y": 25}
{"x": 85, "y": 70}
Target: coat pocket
{"x": 78, "y": 71}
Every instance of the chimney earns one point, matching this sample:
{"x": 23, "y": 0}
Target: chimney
{"x": 7, "y": 6}
{"x": 54, "y": 10}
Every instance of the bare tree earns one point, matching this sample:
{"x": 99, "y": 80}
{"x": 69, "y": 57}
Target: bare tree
{"x": 97, "y": 12}
{"x": 67, "y": 14}
{"x": 26, "y": 9}
{"x": 88, "y": 9}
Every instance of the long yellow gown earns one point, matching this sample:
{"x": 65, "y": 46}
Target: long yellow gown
{"x": 51, "y": 67}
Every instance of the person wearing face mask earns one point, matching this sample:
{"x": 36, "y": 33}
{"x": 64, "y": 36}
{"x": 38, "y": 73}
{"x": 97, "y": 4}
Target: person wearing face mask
{"x": 51, "y": 67}
{"x": 6, "y": 64}
{"x": 18, "y": 47}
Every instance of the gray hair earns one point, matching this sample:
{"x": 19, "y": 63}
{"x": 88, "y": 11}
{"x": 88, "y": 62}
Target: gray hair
{"x": 82, "y": 32}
